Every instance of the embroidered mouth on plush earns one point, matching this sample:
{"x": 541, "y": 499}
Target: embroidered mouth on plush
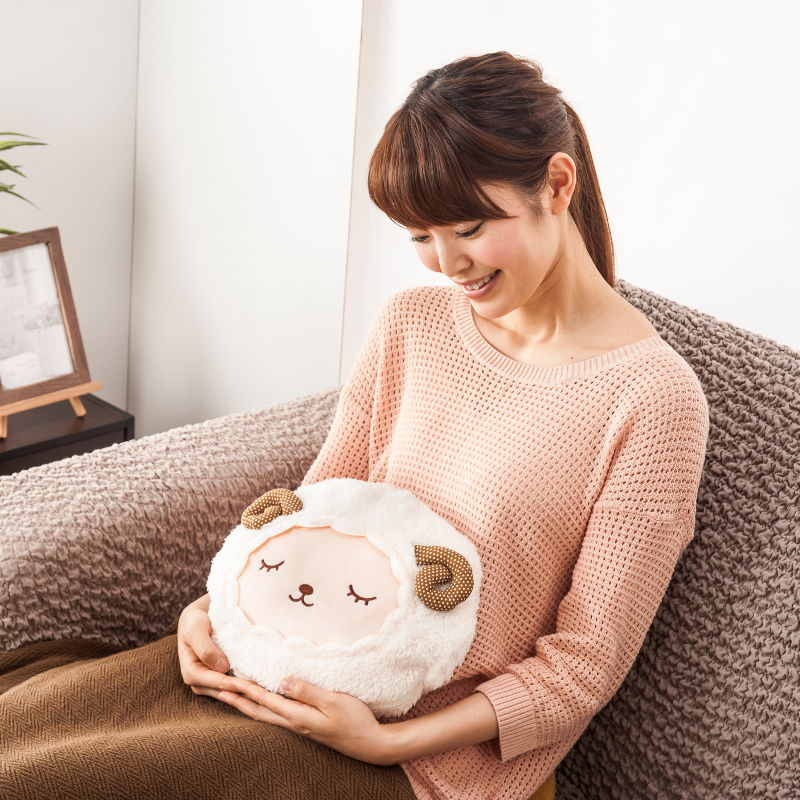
{"x": 304, "y": 590}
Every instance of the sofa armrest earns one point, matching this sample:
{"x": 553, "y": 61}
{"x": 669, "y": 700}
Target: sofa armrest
{"x": 113, "y": 544}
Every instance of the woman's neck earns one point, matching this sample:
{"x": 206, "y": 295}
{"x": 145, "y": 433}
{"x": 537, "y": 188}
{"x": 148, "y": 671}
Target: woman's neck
{"x": 573, "y": 315}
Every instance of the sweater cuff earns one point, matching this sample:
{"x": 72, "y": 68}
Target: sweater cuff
{"x": 512, "y": 704}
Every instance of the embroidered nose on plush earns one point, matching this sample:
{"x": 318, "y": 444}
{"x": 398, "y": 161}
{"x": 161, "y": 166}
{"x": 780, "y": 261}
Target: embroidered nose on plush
{"x": 304, "y": 590}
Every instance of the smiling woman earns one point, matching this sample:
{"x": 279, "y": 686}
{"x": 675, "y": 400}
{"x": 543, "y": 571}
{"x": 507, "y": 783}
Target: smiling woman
{"x": 497, "y": 187}
{"x": 532, "y": 409}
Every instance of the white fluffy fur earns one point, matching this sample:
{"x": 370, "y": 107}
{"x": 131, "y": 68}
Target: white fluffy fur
{"x": 415, "y": 651}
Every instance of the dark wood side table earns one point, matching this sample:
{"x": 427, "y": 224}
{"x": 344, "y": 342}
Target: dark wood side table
{"x": 49, "y": 433}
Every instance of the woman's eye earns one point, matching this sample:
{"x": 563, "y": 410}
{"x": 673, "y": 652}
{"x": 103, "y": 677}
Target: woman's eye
{"x": 467, "y": 234}
{"x": 268, "y": 567}
{"x": 352, "y": 593}
{"x": 464, "y": 235}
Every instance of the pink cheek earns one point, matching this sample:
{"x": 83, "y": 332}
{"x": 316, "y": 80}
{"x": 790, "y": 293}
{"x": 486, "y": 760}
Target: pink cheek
{"x": 497, "y": 254}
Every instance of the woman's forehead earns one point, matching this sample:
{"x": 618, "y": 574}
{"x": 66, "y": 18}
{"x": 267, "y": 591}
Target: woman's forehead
{"x": 509, "y": 199}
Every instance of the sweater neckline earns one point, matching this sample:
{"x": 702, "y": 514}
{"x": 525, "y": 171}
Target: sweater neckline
{"x": 526, "y": 373}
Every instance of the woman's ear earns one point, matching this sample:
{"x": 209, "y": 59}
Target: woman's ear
{"x": 562, "y": 180}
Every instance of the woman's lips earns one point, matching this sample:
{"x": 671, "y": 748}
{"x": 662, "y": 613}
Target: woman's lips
{"x": 476, "y": 294}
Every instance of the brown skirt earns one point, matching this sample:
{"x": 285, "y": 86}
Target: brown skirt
{"x": 81, "y": 718}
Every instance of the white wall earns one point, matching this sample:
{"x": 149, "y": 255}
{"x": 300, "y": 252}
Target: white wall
{"x": 691, "y": 110}
{"x": 245, "y": 156}
{"x": 245, "y": 134}
{"x": 69, "y": 78}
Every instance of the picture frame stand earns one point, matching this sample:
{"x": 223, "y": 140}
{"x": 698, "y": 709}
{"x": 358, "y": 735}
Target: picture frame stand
{"x": 73, "y": 394}
{"x": 42, "y": 359}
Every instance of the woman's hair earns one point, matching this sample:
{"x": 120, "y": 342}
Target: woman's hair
{"x": 491, "y": 120}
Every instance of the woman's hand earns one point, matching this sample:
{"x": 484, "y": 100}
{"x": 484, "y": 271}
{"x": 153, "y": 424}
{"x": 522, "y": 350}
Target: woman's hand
{"x": 336, "y": 720}
{"x": 347, "y": 725}
{"x": 203, "y": 664}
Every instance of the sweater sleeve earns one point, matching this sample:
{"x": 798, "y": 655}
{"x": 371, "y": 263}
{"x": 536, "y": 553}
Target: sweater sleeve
{"x": 639, "y": 526}
{"x": 345, "y": 453}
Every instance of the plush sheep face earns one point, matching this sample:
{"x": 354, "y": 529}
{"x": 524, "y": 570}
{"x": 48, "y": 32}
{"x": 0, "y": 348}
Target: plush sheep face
{"x": 385, "y": 543}
{"x": 320, "y": 584}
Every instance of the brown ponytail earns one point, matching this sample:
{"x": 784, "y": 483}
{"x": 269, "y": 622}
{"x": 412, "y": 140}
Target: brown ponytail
{"x": 487, "y": 119}
{"x": 587, "y": 206}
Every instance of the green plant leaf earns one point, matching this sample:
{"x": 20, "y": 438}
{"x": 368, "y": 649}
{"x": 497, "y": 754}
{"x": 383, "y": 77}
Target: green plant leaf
{"x": 10, "y": 144}
{"x": 7, "y": 232}
{"x": 4, "y": 187}
{"x": 6, "y": 165}
{"x": 11, "y": 133}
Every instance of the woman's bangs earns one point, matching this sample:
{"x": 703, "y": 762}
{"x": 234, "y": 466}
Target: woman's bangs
{"x": 417, "y": 179}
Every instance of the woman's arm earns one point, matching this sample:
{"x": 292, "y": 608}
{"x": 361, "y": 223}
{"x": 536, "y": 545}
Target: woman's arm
{"x": 347, "y": 725}
{"x": 336, "y": 720}
{"x": 640, "y": 524}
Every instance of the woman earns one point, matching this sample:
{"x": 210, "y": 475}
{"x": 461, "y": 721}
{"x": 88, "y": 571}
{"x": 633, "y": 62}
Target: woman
{"x": 533, "y": 408}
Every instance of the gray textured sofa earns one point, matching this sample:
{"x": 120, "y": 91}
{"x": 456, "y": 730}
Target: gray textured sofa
{"x": 113, "y": 544}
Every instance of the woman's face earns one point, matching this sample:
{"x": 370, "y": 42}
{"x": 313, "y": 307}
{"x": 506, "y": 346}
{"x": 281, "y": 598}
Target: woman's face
{"x": 500, "y": 265}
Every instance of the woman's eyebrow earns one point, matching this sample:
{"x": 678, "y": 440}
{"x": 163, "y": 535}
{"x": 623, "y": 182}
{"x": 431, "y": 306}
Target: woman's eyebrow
{"x": 474, "y": 223}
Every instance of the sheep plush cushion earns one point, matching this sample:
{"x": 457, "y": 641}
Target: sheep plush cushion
{"x": 355, "y": 587}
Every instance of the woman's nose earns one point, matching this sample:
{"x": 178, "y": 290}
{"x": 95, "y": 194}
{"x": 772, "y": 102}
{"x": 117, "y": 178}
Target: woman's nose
{"x": 306, "y": 589}
{"x": 451, "y": 259}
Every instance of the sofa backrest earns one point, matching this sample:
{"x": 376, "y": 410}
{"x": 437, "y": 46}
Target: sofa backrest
{"x": 711, "y": 708}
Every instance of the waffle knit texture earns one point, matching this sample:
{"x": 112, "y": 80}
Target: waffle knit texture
{"x": 576, "y": 484}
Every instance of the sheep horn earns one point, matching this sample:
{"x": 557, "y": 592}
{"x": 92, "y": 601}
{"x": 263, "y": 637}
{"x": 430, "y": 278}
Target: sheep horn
{"x": 441, "y": 565}
{"x": 269, "y": 506}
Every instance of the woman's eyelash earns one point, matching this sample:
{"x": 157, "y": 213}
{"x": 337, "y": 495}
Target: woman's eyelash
{"x": 464, "y": 235}
{"x": 352, "y": 593}
{"x": 274, "y": 566}
{"x": 467, "y": 234}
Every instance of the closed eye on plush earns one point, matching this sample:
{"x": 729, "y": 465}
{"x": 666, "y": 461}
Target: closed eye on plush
{"x": 274, "y": 566}
{"x": 352, "y": 593}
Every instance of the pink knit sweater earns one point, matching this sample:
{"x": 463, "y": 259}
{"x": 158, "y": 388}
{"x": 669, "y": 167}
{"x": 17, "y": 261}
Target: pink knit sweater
{"x": 577, "y": 485}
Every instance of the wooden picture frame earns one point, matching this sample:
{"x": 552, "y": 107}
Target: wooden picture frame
{"x": 41, "y": 350}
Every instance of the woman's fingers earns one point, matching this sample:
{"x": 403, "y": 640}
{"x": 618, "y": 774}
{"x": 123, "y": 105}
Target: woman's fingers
{"x": 203, "y": 665}
{"x": 209, "y": 653}
{"x": 197, "y": 675}
{"x": 337, "y": 720}
{"x": 308, "y": 693}
{"x": 275, "y": 703}
{"x": 303, "y": 716}
{"x": 197, "y": 635}
{"x": 253, "y": 709}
